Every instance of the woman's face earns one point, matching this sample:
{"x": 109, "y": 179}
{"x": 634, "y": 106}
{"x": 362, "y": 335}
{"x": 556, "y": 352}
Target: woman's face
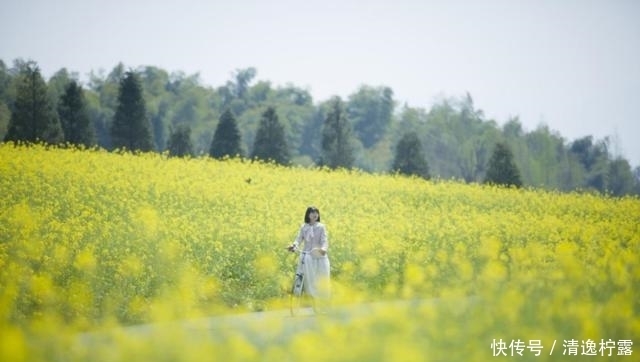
{"x": 313, "y": 216}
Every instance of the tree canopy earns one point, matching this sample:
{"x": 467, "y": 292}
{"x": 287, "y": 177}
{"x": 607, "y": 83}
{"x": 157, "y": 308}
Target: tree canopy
{"x": 361, "y": 132}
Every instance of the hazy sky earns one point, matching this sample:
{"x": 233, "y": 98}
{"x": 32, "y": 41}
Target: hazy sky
{"x": 572, "y": 65}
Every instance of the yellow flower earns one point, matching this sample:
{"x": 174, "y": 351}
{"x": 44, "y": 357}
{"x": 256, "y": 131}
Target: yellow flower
{"x": 92, "y": 240}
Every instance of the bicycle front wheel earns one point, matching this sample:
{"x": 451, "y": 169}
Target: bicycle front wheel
{"x": 297, "y": 295}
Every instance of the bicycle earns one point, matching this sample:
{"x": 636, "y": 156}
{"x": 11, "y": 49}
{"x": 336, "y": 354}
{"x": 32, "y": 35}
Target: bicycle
{"x": 298, "y": 294}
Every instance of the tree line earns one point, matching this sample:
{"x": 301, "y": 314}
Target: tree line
{"x": 149, "y": 109}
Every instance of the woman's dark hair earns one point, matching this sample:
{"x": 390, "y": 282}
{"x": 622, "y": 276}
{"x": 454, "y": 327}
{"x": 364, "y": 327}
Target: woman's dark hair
{"x": 311, "y": 209}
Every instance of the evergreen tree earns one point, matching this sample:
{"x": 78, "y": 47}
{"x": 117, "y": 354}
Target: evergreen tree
{"x": 226, "y": 139}
{"x": 6, "y": 81}
{"x": 502, "y": 170}
{"x": 409, "y": 158}
{"x": 270, "y": 142}
{"x": 131, "y": 128}
{"x": 179, "y": 143}
{"x": 74, "y": 116}
{"x": 34, "y": 117}
{"x": 337, "y": 150}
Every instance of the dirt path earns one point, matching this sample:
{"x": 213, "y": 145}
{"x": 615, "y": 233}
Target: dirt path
{"x": 260, "y": 328}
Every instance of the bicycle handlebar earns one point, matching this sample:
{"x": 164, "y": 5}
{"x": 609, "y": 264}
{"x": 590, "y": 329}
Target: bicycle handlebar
{"x": 299, "y": 251}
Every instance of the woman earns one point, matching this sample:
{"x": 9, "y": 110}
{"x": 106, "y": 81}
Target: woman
{"x": 313, "y": 235}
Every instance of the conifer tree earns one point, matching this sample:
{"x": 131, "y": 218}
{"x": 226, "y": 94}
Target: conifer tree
{"x": 409, "y": 158}
{"x": 179, "y": 143}
{"x": 131, "y": 128}
{"x": 34, "y": 117}
{"x": 502, "y": 170}
{"x": 226, "y": 139}
{"x": 337, "y": 149}
{"x": 74, "y": 116}
{"x": 270, "y": 142}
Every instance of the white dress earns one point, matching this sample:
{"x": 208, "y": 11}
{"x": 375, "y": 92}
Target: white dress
{"x": 315, "y": 267}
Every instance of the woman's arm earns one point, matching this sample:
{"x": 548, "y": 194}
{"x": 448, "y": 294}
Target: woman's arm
{"x": 297, "y": 240}
{"x": 324, "y": 241}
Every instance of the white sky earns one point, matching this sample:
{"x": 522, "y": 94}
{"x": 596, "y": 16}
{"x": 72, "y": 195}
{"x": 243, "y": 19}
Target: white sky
{"x": 573, "y": 65}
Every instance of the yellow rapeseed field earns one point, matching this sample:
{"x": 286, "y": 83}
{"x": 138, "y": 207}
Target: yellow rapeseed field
{"x": 93, "y": 244}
